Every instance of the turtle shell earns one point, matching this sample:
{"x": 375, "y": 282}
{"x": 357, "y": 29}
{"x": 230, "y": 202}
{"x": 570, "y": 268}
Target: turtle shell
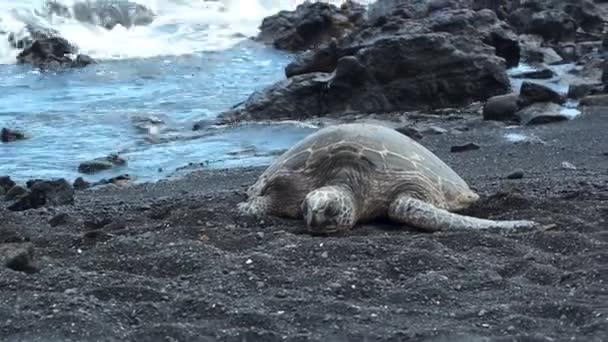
{"x": 383, "y": 148}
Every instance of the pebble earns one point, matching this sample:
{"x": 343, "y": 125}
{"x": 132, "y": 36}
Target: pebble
{"x": 324, "y": 255}
{"x": 465, "y": 147}
{"x": 517, "y": 174}
{"x": 568, "y": 166}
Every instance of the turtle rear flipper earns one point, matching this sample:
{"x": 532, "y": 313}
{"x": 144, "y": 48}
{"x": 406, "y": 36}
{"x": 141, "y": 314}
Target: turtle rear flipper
{"x": 422, "y": 215}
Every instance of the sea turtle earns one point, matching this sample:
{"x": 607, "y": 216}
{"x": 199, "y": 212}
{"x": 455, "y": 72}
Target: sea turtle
{"x": 348, "y": 173}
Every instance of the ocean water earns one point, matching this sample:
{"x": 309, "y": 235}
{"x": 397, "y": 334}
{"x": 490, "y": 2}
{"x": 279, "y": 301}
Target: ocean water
{"x": 191, "y": 63}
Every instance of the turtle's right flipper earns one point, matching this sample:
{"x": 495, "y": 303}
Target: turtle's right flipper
{"x": 422, "y": 215}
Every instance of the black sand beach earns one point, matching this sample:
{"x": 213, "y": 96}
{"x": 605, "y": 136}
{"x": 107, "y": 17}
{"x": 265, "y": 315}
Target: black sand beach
{"x": 173, "y": 261}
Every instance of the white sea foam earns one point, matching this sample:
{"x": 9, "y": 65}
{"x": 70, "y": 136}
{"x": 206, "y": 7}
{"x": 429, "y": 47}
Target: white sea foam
{"x": 181, "y": 27}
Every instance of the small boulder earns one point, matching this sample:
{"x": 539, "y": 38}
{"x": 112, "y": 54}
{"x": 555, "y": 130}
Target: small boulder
{"x": 81, "y": 184}
{"x": 9, "y": 135}
{"x": 595, "y": 100}
{"x": 541, "y": 113}
{"x": 578, "y": 91}
{"x": 15, "y": 192}
{"x": 50, "y": 193}
{"x": 516, "y": 174}
{"x": 6, "y": 183}
{"x": 501, "y": 107}
{"x": 17, "y": 257}
{"x": 533, "y": 92}
{"x": 536, "y": 74}
{"x": 101, "y": 164}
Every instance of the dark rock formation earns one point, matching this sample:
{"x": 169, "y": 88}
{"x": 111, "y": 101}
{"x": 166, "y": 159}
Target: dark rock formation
{"x": 397, "y": 64}
{"x": 45, "y": 193}
{"x": 600, "y": 100}
{"x": 17, "y": 257}
{"x": 541, "y": 113}
{"x": 9, "y": 135}
{"x": 6, "y": 183}
{"x": 556, "y": 20}
{"x": 52, "y": 53}
{"x": 501, "y": 107}
{"x": 310, "y": 25}
{"x": 100, "y": 164}
{"x": 533, "y": 92}
{"x": 15, "y": 192}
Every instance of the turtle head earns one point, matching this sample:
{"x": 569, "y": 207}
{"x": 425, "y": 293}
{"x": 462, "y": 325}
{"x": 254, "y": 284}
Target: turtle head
{"x": 462, "y": 199}
{"x": 329, "y": 209}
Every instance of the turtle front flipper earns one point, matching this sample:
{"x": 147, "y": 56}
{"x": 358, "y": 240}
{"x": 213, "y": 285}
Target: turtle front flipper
{"x": 426, "y": 216}
{"x": 256, "y": 206}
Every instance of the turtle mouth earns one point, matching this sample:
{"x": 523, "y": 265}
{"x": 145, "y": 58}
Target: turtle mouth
{"x": 323, "y": 229}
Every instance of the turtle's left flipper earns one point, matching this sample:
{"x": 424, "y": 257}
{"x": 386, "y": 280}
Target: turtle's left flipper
{"x": 425, "y": 216}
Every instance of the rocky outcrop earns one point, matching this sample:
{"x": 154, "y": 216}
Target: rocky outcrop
{"x": 49, "y": 53}
{"x": 310, "y": 25}
{"x": 397, "y": 72}
{"x": 382, "y": 9}
{"x": 395, "y": 63}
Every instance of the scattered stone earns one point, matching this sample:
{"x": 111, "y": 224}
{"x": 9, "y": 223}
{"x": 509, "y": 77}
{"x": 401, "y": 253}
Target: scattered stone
{"x": 10, "y": 135}
{"x": 501, "y": 107}
{"x": 59, "y": 219}
{"x": 434, "y": 130}
{"x": 17, "y": 257}
{"x": 81, "y": 184}
{"x": 541, "y": 113}
{"x": 15, "y": 192}
{"x": 533, "y": 92}
{"x": 595, "y": 100}
{"x": 517, "y": 174}
{"x": 568, "y": 166}
{"x": 465, "y": 147}
{"x": 536, "y": 74}
{"x": 121, "y": 181}
{"x": 101, "y": 164}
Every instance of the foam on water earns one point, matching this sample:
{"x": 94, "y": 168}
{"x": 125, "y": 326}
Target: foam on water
{"x": 181, "y": 27}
